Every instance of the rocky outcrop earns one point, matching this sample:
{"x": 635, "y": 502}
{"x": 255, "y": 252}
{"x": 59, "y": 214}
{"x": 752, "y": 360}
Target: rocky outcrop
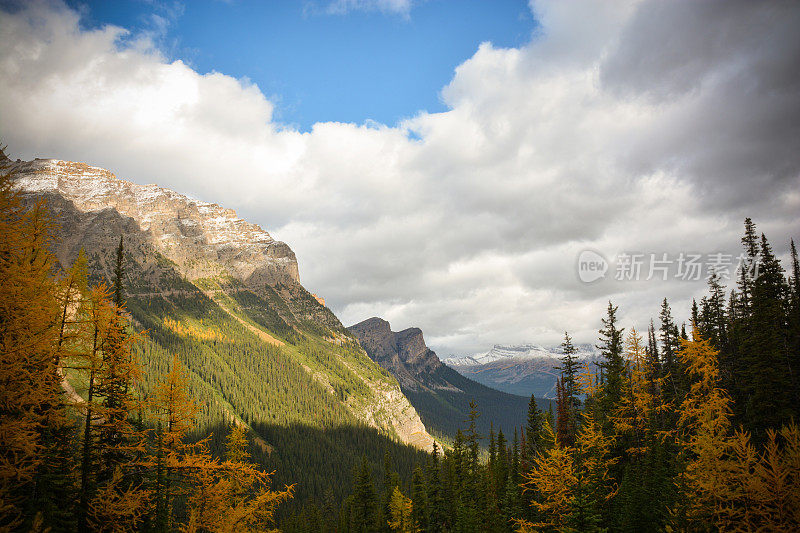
{"x": 440, "y": 395}
{"x": 402, "y": 353}
{"x": 201, "y": 238}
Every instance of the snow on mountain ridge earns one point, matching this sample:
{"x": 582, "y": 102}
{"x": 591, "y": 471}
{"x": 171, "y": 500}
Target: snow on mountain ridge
{"x": 519, "y": 352}
{"x": 203, "y": 239}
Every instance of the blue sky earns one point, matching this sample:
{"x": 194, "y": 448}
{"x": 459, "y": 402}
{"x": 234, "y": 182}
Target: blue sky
{"x": 318, "y": 66}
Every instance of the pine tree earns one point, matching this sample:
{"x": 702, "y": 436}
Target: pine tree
{"x": 574, "y": 483}
{"x": 767, "y": 385}
{"x": 613, "y": 364}
{"x": 363, "y": 506}
{"x": 568, "y": 416}
{"x": 745, "y": 282}
{"x": 705, "y": 431}
{"x": 534, "y": 429}
{"x": 670, "y": 344}
{"x": 472, "y": 505}
{"x": 119, "y": 275}
{"x": 513, "y": 494}
{"x": 436, "y": 505}
{"x": 229, "y": 495}
{"x": 175, "y": 411}
{"x": 794, "y": 322}
{"x": 419, "y": 513}
{"x": 55, "y": 485}
{"x": 100, "y": 316}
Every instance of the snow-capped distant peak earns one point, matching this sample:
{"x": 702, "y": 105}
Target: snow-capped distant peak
{"x": 517, "y": 352}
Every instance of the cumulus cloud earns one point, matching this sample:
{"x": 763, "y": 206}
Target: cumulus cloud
{"x": 652, "y": 126}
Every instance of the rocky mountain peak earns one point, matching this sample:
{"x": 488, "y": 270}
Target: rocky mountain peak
{"x": 201, "y": 238}
{"x": 403, "y": 353}
{"x": 412, "y": 348}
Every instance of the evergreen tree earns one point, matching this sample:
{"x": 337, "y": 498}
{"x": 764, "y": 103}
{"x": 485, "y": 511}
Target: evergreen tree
{"x": 419, "y": 514}
{"x": 473, "y": 504}
{"x": 613, "y": 364}
{"x": 716, "y": 324}
{"x": 363, "y": 508}
{"x": 568, "y": 417}
{"x": 434, "y": 495}
{"x": 502, "y": 467}
{"x": 402, "y": 513}
{"x": 794, "y": 322}
{"x": 670, "y": 344}
{"x": 745, "y": 282}
{"x": 119, "y": 274}
{"x": 767, "y": 383}
{"x": 534, "y": 429}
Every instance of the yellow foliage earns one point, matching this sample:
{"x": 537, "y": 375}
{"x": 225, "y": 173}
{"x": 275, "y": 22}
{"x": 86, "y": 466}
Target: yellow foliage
{"x": 228, "y": 496}
{"x": 727, "y": 482}
{"x": 174, "y": 405}
{"x": 118, "y": 508}
{"x": 640, "y": 403}
{"x": 587, "y": 382}
{"x": 187, "y": 330}
{"x": 401, "y": 508}
{"x": 559, "y": 472}
{"x": 29, "y": 350}
{"x": 223, "y": 496}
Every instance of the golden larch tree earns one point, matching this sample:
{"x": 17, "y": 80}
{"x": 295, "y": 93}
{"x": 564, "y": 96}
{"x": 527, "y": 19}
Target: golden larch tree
{"x": 29, "y": 353}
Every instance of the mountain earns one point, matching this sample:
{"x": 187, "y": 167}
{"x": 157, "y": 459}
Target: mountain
{"x": 520, "y": 369}
{"x": 440, "y": 394}
{"x": 226, "y": 297}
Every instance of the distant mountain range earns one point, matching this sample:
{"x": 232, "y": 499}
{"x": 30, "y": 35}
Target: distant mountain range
{"x": 440, "y": 395}
{"x": 522, "y": 369}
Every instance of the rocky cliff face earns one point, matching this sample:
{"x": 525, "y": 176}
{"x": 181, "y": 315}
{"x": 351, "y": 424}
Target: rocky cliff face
{"x": 403, "y": 353}
{"x": 202, "y": 239}
{"x": 440, "y": 395}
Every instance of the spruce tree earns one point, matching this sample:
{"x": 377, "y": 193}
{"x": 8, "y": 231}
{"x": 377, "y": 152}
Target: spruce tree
{"x": 569, "y": 370}
{"x": 363, "y": 508}
{"x": 419, "y": 497}
{"x": 768, "y": 386}
{"x": 613, "y": 364}
{"x": 794, "y": 322}
{"x": 435, "y": 502}
{"x": 119, "y": 274}
{"x": 534, "y": 429}
{"x": 670, "y": 345}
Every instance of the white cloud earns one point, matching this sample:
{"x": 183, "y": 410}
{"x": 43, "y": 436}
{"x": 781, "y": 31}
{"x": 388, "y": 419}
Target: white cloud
{"x": 649, "y": 126}
{"x": 341, "y": 7}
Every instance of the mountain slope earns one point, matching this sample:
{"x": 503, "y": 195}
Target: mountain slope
{"x": 440, "y": 394}
{"x": 520, "y": 369}
{"x": 226, "y": 298}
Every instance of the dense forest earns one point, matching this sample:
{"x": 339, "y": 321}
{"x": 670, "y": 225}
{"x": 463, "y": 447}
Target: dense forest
{"x": 685, "y": 428}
